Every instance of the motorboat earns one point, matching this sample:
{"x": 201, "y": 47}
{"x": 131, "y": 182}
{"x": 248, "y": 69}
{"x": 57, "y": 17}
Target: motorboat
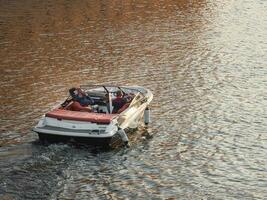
{"x": 102, "y": 124}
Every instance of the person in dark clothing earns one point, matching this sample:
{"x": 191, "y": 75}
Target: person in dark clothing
{"x": 80, "y": 96}
{"x": 118, "y": 102}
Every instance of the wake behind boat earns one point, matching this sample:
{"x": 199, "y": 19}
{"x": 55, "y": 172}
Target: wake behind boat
{"x": 99, "y": 116}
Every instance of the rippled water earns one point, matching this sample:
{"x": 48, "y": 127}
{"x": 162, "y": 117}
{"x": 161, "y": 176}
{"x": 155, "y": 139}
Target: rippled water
{"x": 205, "y": 62}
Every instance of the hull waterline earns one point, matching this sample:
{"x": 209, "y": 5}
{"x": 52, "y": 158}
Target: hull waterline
{"x": 49, "y": 138}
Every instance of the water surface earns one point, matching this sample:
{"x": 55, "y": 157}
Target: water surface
{"x": 205, "y": 62}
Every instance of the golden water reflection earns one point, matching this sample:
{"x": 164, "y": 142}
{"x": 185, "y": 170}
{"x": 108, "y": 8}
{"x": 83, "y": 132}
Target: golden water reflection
{"x": 48, "y": 47}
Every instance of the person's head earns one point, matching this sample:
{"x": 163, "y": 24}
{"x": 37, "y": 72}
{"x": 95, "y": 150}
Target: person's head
{"x": 119, "y": 93}
{"x": 72, "y": 91}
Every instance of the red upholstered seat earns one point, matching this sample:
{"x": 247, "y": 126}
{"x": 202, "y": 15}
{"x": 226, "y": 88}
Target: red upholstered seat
{"x": 101, "y": 118}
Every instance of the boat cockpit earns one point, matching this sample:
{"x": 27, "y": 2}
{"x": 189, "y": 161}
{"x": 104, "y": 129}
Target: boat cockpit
{"x": 103, "y": 99}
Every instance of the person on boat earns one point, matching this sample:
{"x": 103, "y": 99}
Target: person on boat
{"x": 118, "y": 102}
{"x": 81, "y": 101}
{"x": 78, "y": 95}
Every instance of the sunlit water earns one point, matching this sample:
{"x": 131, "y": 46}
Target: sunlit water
{"x": 206, "y": 63}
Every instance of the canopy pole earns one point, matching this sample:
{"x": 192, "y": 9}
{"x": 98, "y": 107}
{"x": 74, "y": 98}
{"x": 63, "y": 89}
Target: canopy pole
{"x": 110, "y": 102}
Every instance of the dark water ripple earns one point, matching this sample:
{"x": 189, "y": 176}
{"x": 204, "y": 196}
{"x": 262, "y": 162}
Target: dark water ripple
{"x": 205, "y": 62}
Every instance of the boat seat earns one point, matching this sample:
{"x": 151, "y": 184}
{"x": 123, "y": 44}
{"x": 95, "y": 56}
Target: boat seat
{"x": 69, "y": 106}
{"x": 76, "y": 106}
{"x": 124, "y": 107}
{"x": 99, "y": 118}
